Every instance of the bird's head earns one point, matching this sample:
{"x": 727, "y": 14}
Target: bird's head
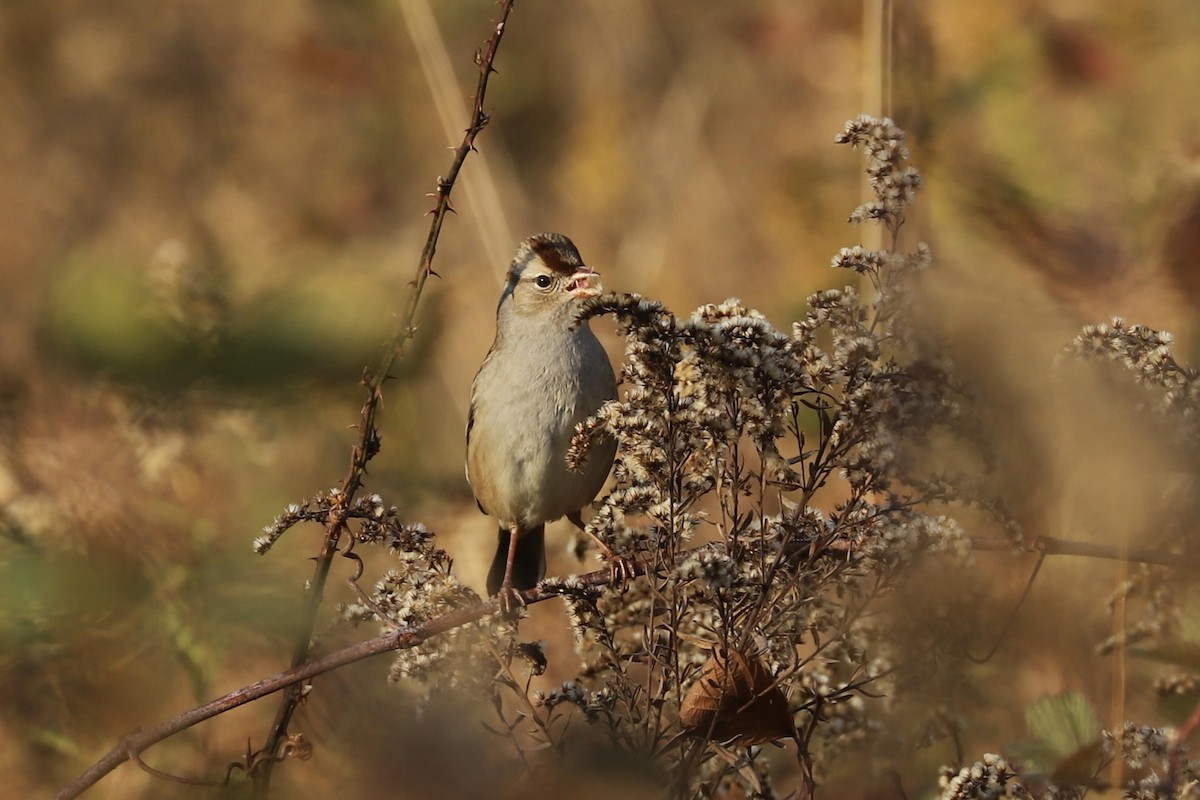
{"x": 547, "y": 276}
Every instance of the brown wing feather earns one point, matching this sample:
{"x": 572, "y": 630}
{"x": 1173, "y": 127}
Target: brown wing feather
{"x": 470, "y": 426}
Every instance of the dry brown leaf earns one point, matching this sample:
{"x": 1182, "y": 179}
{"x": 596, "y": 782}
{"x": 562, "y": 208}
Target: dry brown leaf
{"x": 736, "y": 701}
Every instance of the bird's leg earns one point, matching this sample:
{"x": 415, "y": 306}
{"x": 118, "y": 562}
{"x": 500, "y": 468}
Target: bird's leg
{"x": 510, "y": 598}
{"x": 623, "y": 569}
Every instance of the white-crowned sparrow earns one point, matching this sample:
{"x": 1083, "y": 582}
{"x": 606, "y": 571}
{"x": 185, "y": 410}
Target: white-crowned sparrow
{"x": 541, "y": 378}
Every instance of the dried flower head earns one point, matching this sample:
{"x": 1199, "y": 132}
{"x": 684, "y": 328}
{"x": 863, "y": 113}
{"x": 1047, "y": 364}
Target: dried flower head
{"x": 727, "y": 430}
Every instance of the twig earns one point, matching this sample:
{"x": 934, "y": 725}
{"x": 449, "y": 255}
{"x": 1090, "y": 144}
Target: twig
{"x": 369, "y": 440}
{"x": 135, "y": 743}
{"x": 1188, "y": 727}
{"x": 1012, "y": 616}
{"x": 1067, "y": 547}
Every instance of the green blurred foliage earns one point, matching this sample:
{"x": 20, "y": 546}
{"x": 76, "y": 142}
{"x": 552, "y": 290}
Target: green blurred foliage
{"x": 1066, "y": 739}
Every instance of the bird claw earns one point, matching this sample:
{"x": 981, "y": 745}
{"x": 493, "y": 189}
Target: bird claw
{"x": 621, "y": 570}
{"x": 510, "y": 601}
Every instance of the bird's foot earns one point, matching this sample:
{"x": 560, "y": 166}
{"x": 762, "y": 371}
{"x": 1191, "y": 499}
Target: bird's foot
{"x": 510, "y": 600}
{"x": 622, "y": 570}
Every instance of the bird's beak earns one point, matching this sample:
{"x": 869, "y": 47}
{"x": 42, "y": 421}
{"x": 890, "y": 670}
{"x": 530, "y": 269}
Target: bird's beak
{"x": 585, "y": 282}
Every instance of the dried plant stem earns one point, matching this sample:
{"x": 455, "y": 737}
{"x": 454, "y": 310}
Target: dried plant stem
{"x": 876, "y": 82}
{"x": 488, "y": 211}
{"x": 1120, "y": 623}
{"x": 368, "y": 441}
{"x": 134, "y": 744}
{"x": 1067, "y": 547}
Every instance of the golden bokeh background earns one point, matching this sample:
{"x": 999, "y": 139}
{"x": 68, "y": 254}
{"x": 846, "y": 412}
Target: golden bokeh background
{"x": 210, "y": 213}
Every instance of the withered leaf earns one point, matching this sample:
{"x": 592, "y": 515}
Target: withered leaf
{"x": 736, "y": 701}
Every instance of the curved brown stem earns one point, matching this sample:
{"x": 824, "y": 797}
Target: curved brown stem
{"x": 369, "y": 440}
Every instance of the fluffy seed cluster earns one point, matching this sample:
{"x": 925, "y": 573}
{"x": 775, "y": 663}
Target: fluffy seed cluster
{"x": 1136, "y": 745}
{"x": 1147, "y": 354}
{"x": 422, "y": 587}
{"x": 727, "y": 430}
{"x": 895, "y": 185}
{"x": 418, "y": 588}
{"x": 1155, "y": 769}
{"x": 988, "y": 779}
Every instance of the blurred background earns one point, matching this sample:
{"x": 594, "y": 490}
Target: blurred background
{"x": 210, "y": 212}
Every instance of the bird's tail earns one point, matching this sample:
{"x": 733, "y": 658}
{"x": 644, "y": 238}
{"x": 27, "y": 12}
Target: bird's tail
{"x": 529, "y": 565}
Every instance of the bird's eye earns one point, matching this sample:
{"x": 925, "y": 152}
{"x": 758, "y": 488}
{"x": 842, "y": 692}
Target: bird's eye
{"x": 543, "y": 281}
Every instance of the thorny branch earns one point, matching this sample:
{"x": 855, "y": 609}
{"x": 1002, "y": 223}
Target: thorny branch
{"x": 343, "y": 498}
{"x": 368, "y": 442}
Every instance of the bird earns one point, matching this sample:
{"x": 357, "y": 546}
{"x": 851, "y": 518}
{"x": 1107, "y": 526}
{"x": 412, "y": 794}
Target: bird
{"x": 544, "y": 374}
